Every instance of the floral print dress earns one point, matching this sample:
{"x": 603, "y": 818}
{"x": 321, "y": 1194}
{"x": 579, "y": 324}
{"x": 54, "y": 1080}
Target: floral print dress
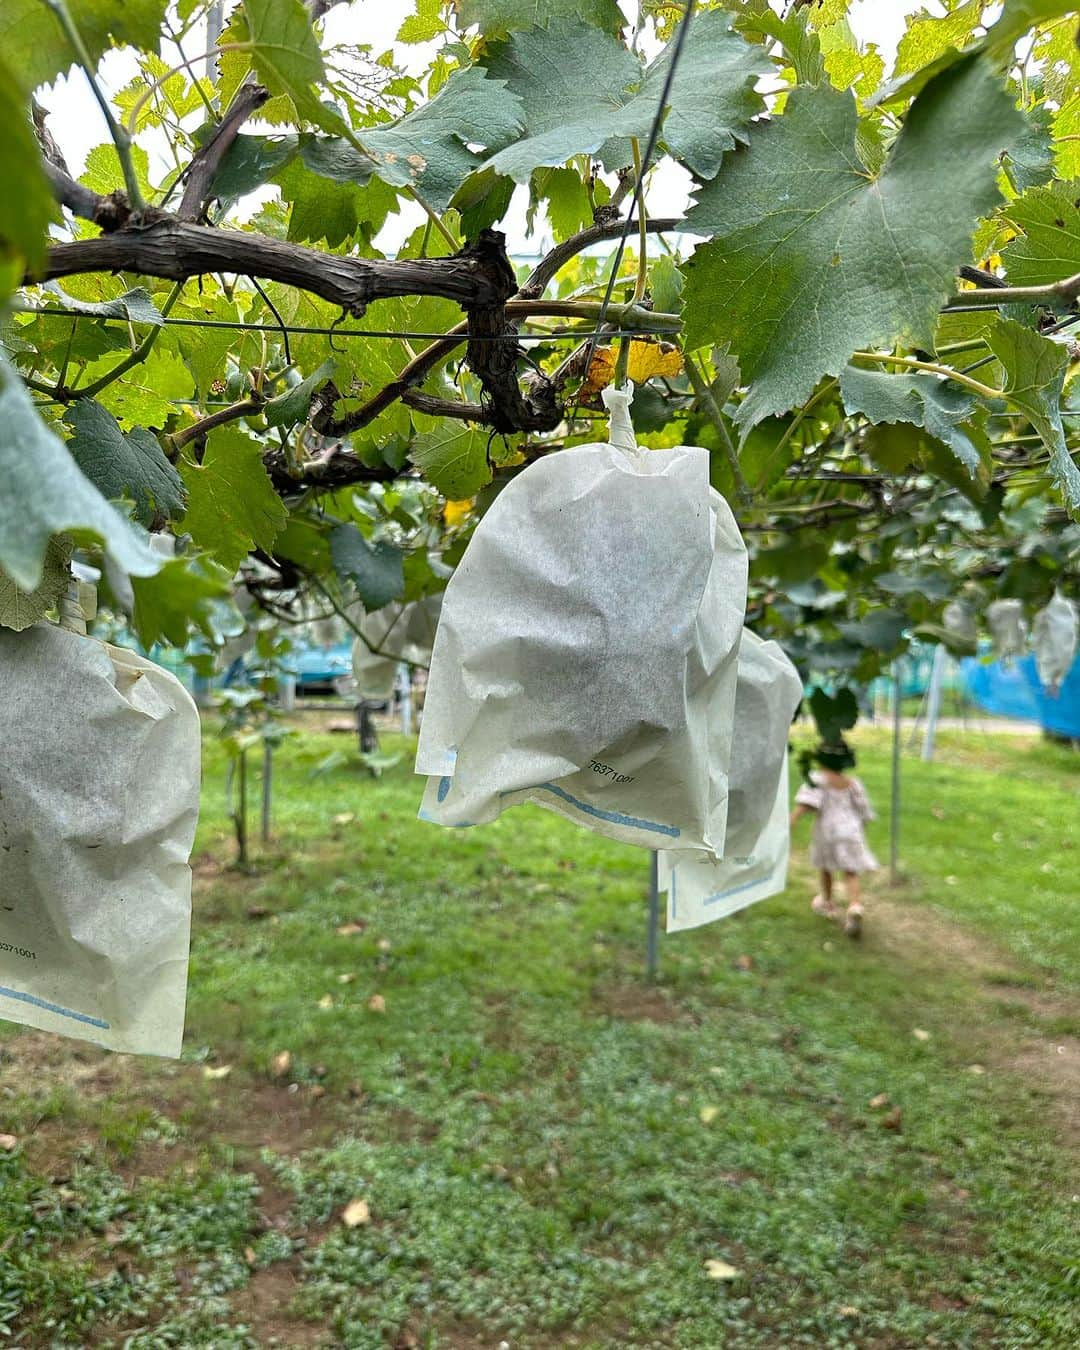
{"x": 839, "y": 844}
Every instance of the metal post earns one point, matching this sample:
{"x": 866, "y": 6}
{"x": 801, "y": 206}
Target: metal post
{"x": 652, "y": 943}
{"x": 267, "y": 788}
{"x": 933, "y": 701}
{"x": 894, "y": 811}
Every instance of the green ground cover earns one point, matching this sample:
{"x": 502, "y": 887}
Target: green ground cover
{"x": 453, "y": 1028}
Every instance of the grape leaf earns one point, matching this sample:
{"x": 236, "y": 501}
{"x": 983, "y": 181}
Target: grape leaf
{"x": 249, "y": 162}
{"x": 292, "y": 406}
{"x": 1048, "y": 249}
{"x": 1034, "y": 376}
{"x": 45, "y": 492}
{"x": 232, "y": 505}
{"x": 795, "y": 281}
{"x": 27, "y": 207}
{"x": 119, "y": 465}
{"x": 938, "y": 407}
{"x": 135, "y": 305}
{"x": 496, "y": 18}
{"x": 929, "y": 37}
{"x": 376, "y": 570}
{"x": 712, "y": 99}
{"x": 19, "y": 608}
{"x": 287, "y": 57}
{"x": 34, "y": 43}
{"x": 429, "y": 147}
{"x": 145, "y": 397}
{"x": 454, "y": 459}
{"x": 187, "y": 593}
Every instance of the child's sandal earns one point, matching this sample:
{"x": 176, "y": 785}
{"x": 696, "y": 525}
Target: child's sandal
{"x": 853, "y": 921}
{"x": 824, "y": 907}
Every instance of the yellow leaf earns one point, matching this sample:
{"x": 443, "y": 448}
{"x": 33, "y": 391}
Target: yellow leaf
{"x": 708, "y": 1114}
{"x": 919, "y": 1034}
{"x": 326, "y": 1001}
{"x": 356, "y": 1213}
{"x": 649, "y": 359}
{"x": 222, "y": 1072}
{"x": 376, "y": 1003}
{"x": 720, "y": 1270}
{"x": 456, "y": 513}
{"x": 8, "y": 1142}
{"x": 282, "y": 1063}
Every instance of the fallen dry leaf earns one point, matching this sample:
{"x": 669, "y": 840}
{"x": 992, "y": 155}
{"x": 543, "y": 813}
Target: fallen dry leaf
{"x": 222, "y": 1071}
{"x": 891, "y": 1121}
{"x": 976, "y": 1068}
{"x": 745, "y": 962}
{"x": 8, "y": 1142}
{"x": 937, "y": 812}
{"x": 344, "y": 818}
{"x": 919, "y": 1034}
{"x": 376, "y": 1003}
{"x": 327, "y": 1001}
{"x": 708, "y": 1114}
{"x": 282, "y": 1063}
{"x": 876, "y": 1103}
{"x": 249, "y": 1255}
{"x": 720, "y": 1270}
{"x": 356, "y": 1213}
{"x": 384, "y": 944}
{"x": 352, "y": 928}
{"x": 346, "y": 977}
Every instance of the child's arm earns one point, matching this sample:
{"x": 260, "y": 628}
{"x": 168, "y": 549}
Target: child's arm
{"x": 862, "y": 802}
{"x": 799, "y": 811}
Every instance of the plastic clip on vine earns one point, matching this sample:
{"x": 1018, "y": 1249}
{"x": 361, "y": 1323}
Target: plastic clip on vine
{"x": 99, "y": 797}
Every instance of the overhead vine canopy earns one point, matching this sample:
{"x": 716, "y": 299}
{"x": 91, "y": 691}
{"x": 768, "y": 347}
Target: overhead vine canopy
{"x": 866, "y": 312}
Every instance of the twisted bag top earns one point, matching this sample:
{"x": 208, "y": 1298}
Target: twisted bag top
{"x": 99, "y": 796}
{"x": 586, "y": 653}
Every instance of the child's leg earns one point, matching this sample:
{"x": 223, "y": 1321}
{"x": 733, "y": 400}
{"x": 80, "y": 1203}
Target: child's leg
{"x": 853, "y": 921}
{"x": 822, "y": 903}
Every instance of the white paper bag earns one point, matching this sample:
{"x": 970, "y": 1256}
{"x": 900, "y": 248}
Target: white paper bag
{"x": 398, "y": 633}
{"x": 99, "y": 796}
{"x": 1053, "y": 638}
{"x": 960, "y": 621}
{"x": 1005, "y": 619}
{"x": 701, "y": 888}
{"x": 586, "y": 654}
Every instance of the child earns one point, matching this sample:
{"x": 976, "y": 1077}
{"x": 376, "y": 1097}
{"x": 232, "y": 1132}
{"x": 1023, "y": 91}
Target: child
{"x": 839, "y": 845}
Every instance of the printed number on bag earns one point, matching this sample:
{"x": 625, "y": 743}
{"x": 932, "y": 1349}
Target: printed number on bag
{"x": 606, "y": 771}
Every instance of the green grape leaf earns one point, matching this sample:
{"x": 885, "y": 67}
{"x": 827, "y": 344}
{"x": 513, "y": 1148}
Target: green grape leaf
{"x": 847, "y": 65}
{"x": 19, "y": 608}
{"x": 797, "y": 281}
{"x": 103, "y": 173}
{"x": 454, "y": 459}
{"x": 940, "y": 408}
{"x": 186, "y": 593}
{"x": 496, "y": 18}
{"x": 28, "y": 206}
{"x": 1034, "y": 377}
{"x": 45, "y": 492}
{"x": 287, "y": 57}
{"x": 34, "y": 43}
{"x": 424, "y": 25}
{"x": 428, "y": 148}
{"x": 119, "y": 465}
{"x": 666, "y": 285}
{"x": 135, "y": 305}
{"x": 881, "y": 629}
{"x": 799, "y": 41}
{"x": 147, "y": 394}
{"x": 1048, "y": 249}
{"x": 232, "y": 506}
{"x": 249, "y": 162}
{"x": 712, "y": 99}
{"x": 928, "y": 38}
{"x": 292, "y": 406}
{"x": 376, "y": 570}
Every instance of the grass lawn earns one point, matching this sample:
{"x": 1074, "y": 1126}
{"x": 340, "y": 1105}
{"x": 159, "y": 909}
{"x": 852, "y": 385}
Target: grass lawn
{"x": 452, "y": 1027}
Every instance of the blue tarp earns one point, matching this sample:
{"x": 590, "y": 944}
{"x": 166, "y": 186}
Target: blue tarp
{"x": 1015, "y": 690}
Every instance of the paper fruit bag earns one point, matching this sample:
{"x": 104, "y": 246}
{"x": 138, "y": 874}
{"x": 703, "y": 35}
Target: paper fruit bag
{"x": 587, "y": 649}
{"x": 99, "y": 796}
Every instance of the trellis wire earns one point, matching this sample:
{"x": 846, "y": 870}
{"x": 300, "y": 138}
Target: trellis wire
{"x": 570, "y": 335}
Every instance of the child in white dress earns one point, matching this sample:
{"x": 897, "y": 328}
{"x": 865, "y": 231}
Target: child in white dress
{"x": 841, "y": 809}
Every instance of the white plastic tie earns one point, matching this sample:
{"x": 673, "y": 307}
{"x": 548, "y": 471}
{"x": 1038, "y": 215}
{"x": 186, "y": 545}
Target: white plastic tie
{"x": 620, "y": 428}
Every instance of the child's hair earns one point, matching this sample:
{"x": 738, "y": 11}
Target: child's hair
{"x": 837, "y": 757}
